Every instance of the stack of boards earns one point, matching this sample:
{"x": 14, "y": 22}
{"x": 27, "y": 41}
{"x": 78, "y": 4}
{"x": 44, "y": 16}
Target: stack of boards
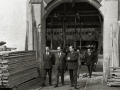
{"x": 114, "y": 79}
{"x": 17, "y": 68}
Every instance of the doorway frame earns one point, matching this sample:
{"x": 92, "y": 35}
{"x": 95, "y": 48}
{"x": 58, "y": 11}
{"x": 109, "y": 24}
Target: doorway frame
{"x": 45, "y": 11}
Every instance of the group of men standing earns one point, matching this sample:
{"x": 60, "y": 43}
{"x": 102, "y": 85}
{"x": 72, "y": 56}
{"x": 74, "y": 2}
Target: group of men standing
{"x": 71, "y": 61}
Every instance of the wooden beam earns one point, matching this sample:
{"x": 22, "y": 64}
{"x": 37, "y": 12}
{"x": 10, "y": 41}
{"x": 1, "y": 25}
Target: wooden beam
{"x": 35, "y": 1}
{"x": 85, "y": 15}
{"x": 73, "y": 22}
{"x": 119, "y": 10}
{"x": 76, "y": 11}
{"x": 114, "y": 67}
{"x": 92, "y": 23}
{"x": 28, "y": 83}
{"x": 51, "y": 33}
{"x": 64, "y": 26}
{"x": 100, "y": 19}
{"x": 113, "y": 80}
{"x": 80, "y": 32}
{"x": 114, "y": 84}
{"x": 75, "y": 33}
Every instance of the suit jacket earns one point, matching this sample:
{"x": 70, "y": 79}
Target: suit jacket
{"x": 47, "y": 60}
{"x": 95, "y": 57}
{"x": 60, "y": 61}
{"x": 89, "y": 60}
{"x": 73, "y": 62}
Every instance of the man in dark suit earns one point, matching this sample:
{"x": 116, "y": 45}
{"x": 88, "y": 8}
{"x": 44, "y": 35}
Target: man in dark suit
{"x": 47, "y": 66}
{"x": 59, "y": 66}
{"x": 89, "y": 60}
{"x": 72, "y": 61}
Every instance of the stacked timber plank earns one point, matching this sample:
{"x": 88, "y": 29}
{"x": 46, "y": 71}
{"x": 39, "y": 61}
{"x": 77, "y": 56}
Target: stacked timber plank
{"x": 114, "y": 79}
{"x": 17, "y": 68}
{"x": 2, "y": 43}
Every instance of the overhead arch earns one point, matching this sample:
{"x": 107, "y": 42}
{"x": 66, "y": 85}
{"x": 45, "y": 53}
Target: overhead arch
{"x": 54, "y": 3}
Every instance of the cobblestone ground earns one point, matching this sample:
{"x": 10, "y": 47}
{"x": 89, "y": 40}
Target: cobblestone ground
{"x": 84, "y": 83}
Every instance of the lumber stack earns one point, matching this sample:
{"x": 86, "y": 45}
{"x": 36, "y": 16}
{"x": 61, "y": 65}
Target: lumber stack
{"x": 17, "y": 68}
{"x": 2, "y": 43}
{"x": 114, "y": 79}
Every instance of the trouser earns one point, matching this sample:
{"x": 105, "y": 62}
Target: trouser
{"x": 73, "y": 76}
{"x": 94, "y": 67}
{"x": 59, "y": 72}
{"x": 90, "y": 69}
{"x": 45, "y": 71}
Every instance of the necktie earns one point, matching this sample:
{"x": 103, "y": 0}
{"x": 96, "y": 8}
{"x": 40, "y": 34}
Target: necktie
{"x": 89, "y": 53}
{"x": 47, "y": 53}
{"x": 59, "y": 54}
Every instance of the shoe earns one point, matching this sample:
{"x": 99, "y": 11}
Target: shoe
{"x": 75, "y": 87}
{"x": 56, "y": 85}
{"x": 43, "y": 84}
{"x": 89, "y": 76}
{"x": 50, "y": 84}
{"x": 71, "y": 85}
{"x": 63, "y": 84}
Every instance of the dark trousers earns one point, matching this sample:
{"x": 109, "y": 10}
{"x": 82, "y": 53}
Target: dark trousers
{"x": 94, "y": 67}
{"x": 45, "y": 71}
{"x": 59, "y": 72}
{"x": 90, "y": 69}
{"x": 73, "y": 76}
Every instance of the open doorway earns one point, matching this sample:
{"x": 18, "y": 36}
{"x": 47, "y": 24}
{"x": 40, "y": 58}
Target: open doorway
{"x": 79, "y": 24}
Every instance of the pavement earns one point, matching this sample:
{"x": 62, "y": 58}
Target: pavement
{"x": 96, "y": 82}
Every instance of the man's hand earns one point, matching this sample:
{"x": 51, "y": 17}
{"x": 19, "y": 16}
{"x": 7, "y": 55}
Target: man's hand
{"x": 68, "y": 58}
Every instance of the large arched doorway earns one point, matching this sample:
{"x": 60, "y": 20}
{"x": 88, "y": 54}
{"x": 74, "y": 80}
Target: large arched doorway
{"x": 92, "y": 7}
{"x": 78, "y": 23}
{"x": 73, "y": 23}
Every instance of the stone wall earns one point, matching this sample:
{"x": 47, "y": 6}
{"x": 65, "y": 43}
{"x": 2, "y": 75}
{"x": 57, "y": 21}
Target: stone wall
{"x": 110, "y": 16}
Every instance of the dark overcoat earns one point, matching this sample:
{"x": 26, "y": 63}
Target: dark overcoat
{"x": 60, "y": 62}
{"x": 89, "y": 59}
{"x": 48, "y": 60}
{"x": 73, "y": 62}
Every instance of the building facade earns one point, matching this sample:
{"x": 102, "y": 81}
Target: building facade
{"x": 33, "y": 24}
